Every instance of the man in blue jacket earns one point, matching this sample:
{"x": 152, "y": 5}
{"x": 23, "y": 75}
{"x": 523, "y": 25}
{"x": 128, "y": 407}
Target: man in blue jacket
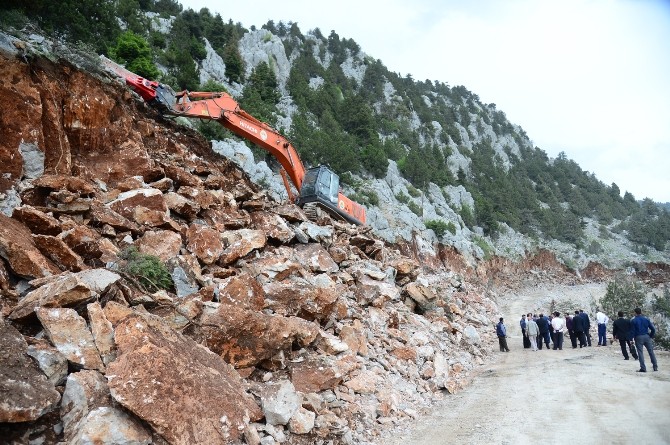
{"x": 643, "y": 331}
{"x": 501, "y": 331}
{"x": 543, "y": 325}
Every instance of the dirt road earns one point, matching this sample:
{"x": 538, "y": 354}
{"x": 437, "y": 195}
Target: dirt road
{"x": 573, "y": 396}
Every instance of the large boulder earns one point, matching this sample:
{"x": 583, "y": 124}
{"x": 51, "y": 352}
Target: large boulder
{"x": 26, "y": 392}
{"x": 245, "y": 337}
{"x": 185, "y": 392}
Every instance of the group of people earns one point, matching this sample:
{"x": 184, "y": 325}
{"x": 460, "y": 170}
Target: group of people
{"x": 540, "y": 329}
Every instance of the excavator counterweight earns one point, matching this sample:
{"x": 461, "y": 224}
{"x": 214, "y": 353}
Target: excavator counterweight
{"x": 317, "y": 186}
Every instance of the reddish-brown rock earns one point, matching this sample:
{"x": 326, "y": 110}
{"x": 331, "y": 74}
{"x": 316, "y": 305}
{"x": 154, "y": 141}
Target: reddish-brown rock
{"x": 204, "y": 243}
{"x": 163, "y": 244}
{"x": 68, "y": 332}
{"x": 18, "y": 249}
{"x": 145, "y": 206}
{"x": 37, "y": 221}
{"x": 26, "y": 393}
{"x": 313, "y": 298}
{"x": 66, "y": 289}
{"x": 239, "y": 243}
{"x": 314, "y": 257}
{"x": 273, "y": 226}
{"x": 185, "y": 392}
{"x": 60, "y": 253}
{"x": 242, "y": 290}
{"x": 245, "y": 338}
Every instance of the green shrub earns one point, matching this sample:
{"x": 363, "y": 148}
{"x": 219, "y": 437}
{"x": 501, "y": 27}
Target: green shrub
{"x": 440, "y": 227}
{"x": 148, "y": 270}
{"x": 486, "y": 248}
{"x": 415, "y": 208}
{"x": 595, "y": 248}
{"x": 413, "y": 192}
{"x": 623, "y": 294}
{"x": 401, "y": 197}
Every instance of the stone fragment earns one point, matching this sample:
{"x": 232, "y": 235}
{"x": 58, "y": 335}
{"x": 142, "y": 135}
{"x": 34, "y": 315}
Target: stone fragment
{"x": 52, "y": 363}
{"x": 37, "y": 221}
{"x": 67, "y": 289}
{"x": 245, "y": 337}
{"x": 317, "y": 233}
{"x": 239, "y": 243}
{"x": 18, "y": 249}
{"x": 365, "y": 382}
{"x": 330, "y": 344}
{"x": 273, "y": 226}
{"x": 228, "y": 218}
{"x": 84, "y": 391}
{"x": 83, "y": 240}
{"x": 279, "y": 402}
{"x": 26, "y": 392}
{"x": 164, "y": 244}
{"x": 423, "y": 295}
{"x": 110, "y": 426}
{"x": 68, "y": 332}
{"x": 315, "y": 374}
{"x": 144, "y": 206}
{"x": 102, "y": 215}
{"x": 182, "y": 206}
{"x": 204, "y": 243}
{"x": 441, "y": 370}
{"x": 60, "y": 253}
{"x": 314, "y": 257}
{"x": 355, "y": 338}
{"x": 103, "y": 332}
{"x": 115, "y": 312}
{"x": 291, "y": 213}
{"x": 313, "y": 298}
{"x": 185, "y": 392}
{"x": 242, "y": 290}
{"x": 72, "y": 184}
{"x": 369, "y": 289}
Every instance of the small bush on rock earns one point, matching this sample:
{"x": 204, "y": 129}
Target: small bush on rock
{"x": 149, "y": 271}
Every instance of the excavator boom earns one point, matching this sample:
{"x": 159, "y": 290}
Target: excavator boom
{"x": 319, "y": 185}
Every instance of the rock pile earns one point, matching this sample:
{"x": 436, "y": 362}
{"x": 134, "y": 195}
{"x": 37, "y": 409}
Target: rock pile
{"x": 272, "y": 329}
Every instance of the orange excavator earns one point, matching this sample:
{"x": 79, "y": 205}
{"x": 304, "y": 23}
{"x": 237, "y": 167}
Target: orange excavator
{"x": 317, "y": 187}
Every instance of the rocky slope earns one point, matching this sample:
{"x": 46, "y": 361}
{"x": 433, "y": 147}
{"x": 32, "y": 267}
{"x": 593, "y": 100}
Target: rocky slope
{"x": 276, "y": 330}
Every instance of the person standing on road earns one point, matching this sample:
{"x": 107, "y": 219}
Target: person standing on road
{"x": 571, "y": 331}
{"x": 643, "y": 331}
{"x": 579, "y": 325}
{"x": 559, "y": 325}
{"x": 621, "y": 330}
{"x": 501, "y": 331}
{"x": 543, "y": 325}
{"x": 587, "y": 325}
{"x": 602, "y": 320}
{"x": 523, "y": 323}
{"x": 533, "y": 332}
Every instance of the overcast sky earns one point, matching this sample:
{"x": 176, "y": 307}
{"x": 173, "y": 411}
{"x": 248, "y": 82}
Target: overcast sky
{"x": 587, "y": 77}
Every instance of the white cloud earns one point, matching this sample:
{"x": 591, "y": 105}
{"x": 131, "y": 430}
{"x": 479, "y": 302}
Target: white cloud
{"x": 588, "y": 77}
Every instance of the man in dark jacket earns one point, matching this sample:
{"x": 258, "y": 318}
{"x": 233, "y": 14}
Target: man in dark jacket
{"x": 543, "y": 325}
{"x": 501, "y": 332}
{"x": 571, "y": 330}
{"x": 621, "y": 330}
{"x": 579, "y": 325}
{"x": 587, "y": 325}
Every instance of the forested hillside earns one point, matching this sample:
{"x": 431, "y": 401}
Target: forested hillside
{"x": 344, "y": 108}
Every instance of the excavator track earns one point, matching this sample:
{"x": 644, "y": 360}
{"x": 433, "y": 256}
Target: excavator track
{"x": 316, "y": 212}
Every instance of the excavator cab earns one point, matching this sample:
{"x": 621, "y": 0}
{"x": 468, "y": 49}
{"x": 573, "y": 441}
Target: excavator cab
{"x": 321, "y": 185}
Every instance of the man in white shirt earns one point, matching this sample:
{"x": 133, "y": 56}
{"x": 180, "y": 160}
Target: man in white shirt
{"x": 558, "y": 324}
{"x": 602, "y": 320}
